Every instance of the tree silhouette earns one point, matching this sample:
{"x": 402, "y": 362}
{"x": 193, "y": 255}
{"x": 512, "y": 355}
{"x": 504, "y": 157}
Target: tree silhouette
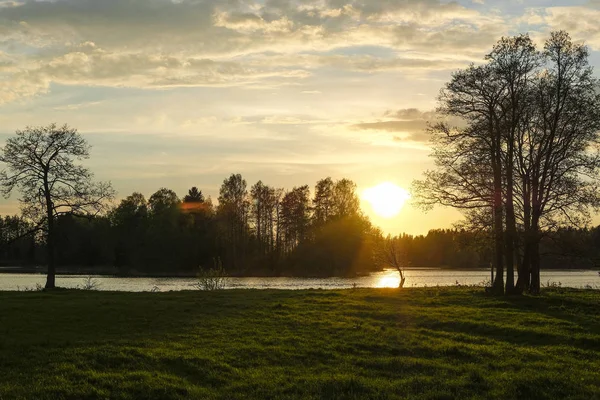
{"x": 163, "y": 200}
{"x": 528, "y": 151}
{"x": 232, "y": 212}
{"x": 194, "y": 196}
{"x": 41, "y": 164}
{"x": 263, "y": 209}
{"x": 515, "y": 61}
{"x": 295, "y": 217}
{"x": 323, "y": 201}
{"x": 130, "y": 223}
{"x": 560, "y": 159}
{"x": 391, "y": 253}
{"x": 345, "y": 200}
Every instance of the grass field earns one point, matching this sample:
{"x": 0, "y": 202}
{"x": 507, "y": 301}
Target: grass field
{"x": 430, "y": 343}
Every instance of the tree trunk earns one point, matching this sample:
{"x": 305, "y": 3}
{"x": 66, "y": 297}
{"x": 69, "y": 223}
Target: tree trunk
{"x": 511, "y": 233}
{"x": 511, "y": 226}
{"x": 402, "y": 279}
{"x": 498, "y": 285}
{"x": 259, "y": 225}
{"x": 499, "y": 250}
{"x": 534, "y": 287}
{"x": 51, "y": 277}
{"x": 525, "y": 267}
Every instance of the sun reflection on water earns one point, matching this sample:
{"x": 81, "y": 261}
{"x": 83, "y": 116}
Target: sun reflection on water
{"x": 389, "y": 280}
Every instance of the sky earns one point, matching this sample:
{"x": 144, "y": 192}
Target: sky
{"x": 181, "y": 93}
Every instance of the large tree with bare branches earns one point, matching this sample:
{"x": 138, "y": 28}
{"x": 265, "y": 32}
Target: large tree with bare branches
{"x": 529, "y": 153}
{"x": 42, "y": 163}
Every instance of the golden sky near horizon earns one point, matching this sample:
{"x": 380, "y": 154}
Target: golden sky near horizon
{"x": 181, "y": 93}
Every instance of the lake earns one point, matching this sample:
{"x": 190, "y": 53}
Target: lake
{"x": 389, "y": 278}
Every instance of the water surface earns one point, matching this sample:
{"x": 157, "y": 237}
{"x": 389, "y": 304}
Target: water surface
{"x": 388, "y": 278}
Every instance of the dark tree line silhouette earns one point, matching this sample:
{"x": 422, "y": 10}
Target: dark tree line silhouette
{"x": 258, "y": 231}
{"x": 166, "y": 236}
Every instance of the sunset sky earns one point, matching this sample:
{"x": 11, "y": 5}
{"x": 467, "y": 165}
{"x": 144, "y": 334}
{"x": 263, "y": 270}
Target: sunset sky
{"x": 181, "y": 93}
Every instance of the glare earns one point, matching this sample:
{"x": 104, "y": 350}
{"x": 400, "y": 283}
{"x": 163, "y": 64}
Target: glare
{"x": 386, "y": 199}
{"x": 389, "y": 281}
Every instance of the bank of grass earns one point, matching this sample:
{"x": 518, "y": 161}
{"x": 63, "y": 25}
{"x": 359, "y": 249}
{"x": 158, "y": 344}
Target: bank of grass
{"x": 430, "y": 343}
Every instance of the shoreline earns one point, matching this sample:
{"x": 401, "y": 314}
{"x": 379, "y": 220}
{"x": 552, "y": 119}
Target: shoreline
{"x": 110, "y": 272}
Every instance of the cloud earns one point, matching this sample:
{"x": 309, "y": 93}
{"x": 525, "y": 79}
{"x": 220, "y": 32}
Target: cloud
{"x": 394, "y": 126}
{"x": 93, "y": 66}
{"x": 78, "y": 106}
{"x": 246, "y": 43}
{"x": 579, "y": 21}
{"x": 224, "y": 27}
{"x": 408, "y": 124}
{"x": 411, "y": 122}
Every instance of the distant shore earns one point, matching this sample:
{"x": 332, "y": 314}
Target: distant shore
{"x": 113, "y": 271}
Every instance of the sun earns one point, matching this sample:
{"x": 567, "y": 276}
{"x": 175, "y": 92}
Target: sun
{"x": 386, "y": 199}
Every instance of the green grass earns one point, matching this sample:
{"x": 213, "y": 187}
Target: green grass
{"x": 431, "y": 343}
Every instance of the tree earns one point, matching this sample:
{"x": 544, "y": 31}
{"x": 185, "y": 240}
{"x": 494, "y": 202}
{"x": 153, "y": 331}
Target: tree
{"x": 340, "y": 239}
{"x": 529, "y": 150}
{"x": 391, "y": 252}
{"x": 133, "y": 207}
{"x": 17, "y": 239}
{"x": 84, "y": 241}
{"x": 163, "y": 201}
{"x": 323, "y": 201}
{"x": 345, "y": 200}
{"x": 295, "y": 217}
{"x": 233, "y": 211}
{"x": 263, "y": 208}
{"x": 164, "y": 234}
{"x": 469, "y": 158}
{"x": 41, "y": 163}
{"x": 130, "y": 223}
{"x": 515, "y": 61}
{"x": 194, "y": 196}
{"x": 560, "y": 157}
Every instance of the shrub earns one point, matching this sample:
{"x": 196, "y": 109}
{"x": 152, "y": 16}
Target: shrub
{"x": 213, "y": 278}
{"x": 89, "y": 283}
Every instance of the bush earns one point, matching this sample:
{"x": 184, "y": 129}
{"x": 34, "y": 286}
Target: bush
{"x": 89, "y": 283}
{"x": 213, "y": 278}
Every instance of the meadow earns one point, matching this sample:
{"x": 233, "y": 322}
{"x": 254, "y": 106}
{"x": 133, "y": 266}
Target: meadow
{"x": 425, "y": 343}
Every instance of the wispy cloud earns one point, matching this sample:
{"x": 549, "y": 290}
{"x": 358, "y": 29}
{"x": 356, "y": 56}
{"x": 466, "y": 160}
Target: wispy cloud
{"x": 410, "y": 122}
{"x": 163, "y": 43}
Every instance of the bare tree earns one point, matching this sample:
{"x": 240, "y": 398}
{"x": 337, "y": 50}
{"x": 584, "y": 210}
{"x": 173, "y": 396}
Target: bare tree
{"x": 41, "y": 163}
{"x": 392, "y": 254}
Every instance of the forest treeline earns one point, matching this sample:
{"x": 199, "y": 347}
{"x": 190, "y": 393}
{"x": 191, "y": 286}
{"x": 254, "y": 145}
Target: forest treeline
{"x": 254, "y": 230}
{"x": 259, "y": 230}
